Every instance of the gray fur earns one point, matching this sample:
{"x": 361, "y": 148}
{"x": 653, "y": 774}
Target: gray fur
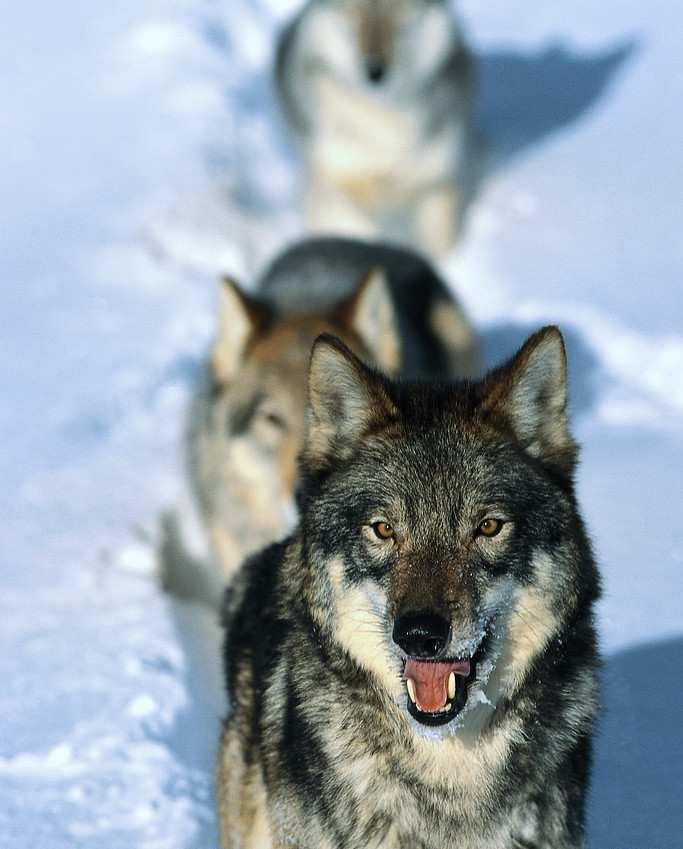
{"x": 414, "y": 183}
{"x": 320, "y": 748}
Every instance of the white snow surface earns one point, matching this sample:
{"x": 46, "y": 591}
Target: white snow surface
{"x": 141, "y": 154}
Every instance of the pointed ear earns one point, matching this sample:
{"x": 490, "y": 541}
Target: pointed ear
{"x": 530, "y": 393}
{"x": 239, "y": 317}
{"x": 345, "y": 400}
{"x": 370, "y": 313}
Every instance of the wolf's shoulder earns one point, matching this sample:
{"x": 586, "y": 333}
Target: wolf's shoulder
{"x": 249, "y": 612}
{"x": 252, "y": 591}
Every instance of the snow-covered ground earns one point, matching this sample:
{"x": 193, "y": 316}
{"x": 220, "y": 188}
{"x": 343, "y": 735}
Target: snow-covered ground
{"x": 140, "y": 154}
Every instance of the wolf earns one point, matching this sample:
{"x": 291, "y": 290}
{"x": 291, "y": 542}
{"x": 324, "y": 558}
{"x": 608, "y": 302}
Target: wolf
{"x": 247, "y": 417}
{"x": 379, "y": 94}
{"x": 416, "y": 666}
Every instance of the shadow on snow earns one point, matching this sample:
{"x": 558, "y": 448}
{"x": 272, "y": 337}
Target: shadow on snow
{"x": 635, "y": 800}
{"x": 523, "y": 98}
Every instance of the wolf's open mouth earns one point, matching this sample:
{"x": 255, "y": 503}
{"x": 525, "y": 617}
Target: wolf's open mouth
{"x": 437, "y": 689}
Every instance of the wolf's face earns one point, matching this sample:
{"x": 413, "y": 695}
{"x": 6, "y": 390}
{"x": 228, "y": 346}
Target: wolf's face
{"x": 381, "y": 44}
{"x": 440, "y": 524}
{"x": 255, "y": 417}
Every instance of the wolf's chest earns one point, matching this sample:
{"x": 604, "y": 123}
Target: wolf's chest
{"x": 356, "y": 134}
{"x": 435, "y": 794}
{"x": 407, "y": 823}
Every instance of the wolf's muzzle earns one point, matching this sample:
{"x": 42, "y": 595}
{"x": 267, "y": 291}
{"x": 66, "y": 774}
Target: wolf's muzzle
{"x": 422, "y": 635}
{"x": 376, "y": 69}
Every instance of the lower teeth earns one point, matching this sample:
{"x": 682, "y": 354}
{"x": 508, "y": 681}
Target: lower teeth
{"x": 444, "y": 709}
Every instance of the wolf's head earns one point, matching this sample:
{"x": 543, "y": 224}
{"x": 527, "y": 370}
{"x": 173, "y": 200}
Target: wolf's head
{"x": 440, "y": 526}
{"x": 381, "y": 43}
{"x": 244, "y": 450}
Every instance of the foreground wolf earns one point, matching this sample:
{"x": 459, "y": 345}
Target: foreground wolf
{"x": 379, "y": 94}
{"x": 247, "y": 419}
{"x": 416, "y": 666}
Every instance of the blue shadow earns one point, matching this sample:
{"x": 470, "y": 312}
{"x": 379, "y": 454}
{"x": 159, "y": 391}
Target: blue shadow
{"x": 523, "y": 98}
{"x": 637, "y": 784}
{"x": 195, "y": 734}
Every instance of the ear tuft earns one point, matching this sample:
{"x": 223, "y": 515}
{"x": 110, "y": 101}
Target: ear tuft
{"x": 239, "y": 317}
{"x": 369, "y": 312}
{"x": 530, "y": 393}
{"x": 345, "y": 400}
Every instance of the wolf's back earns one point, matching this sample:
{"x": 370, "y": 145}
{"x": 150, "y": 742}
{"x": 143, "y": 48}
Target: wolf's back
{"x": 317, "y": 273}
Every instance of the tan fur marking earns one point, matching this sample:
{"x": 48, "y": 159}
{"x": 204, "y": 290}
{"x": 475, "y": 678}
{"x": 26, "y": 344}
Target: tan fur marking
{"x": 257, "y": 825}
{"x": 449, "y": 325}
{"x": 288, "y": 338}
{"x": 242, "y": 798}
{"x": 531, "y": 625}
{"x": 329, "y": 210}
{"x": 438, "y": 219}
{"x": 468, "y": 767}
{"x": 359, "y": 631}
{"x": 229, "y": 773}
{"x": 373, "y": 318}
{"x": 369, "y": 191}
{"x": 376, "y": 33}
{"x": 245, "y": 805}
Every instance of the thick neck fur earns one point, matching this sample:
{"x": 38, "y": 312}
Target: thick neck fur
{"x": 343, "y": 764}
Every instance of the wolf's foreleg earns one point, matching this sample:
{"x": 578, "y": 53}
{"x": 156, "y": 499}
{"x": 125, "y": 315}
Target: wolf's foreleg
{"x": 437, "y": 219}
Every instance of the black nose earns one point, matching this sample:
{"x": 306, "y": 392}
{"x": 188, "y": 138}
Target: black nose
{"x": 422, "y": 634}
{"x": 375, "y": 69}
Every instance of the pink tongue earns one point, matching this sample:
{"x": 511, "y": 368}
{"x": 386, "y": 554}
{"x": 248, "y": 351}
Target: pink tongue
{"x": 431, "y": 681}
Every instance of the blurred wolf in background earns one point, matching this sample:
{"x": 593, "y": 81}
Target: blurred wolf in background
{"x": 379, "y": 93}
{"x": 247, "y": 418}
{"x": 416, "y": 666}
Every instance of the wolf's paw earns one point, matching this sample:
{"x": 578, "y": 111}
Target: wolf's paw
{"x": 181, "y": 574}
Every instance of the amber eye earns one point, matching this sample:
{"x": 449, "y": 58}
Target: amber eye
{"x": 383, "y": 530}
{"x": 270, "y": 417}
{"x": 275, "y": 420}
{"x": 490, "y": 527}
